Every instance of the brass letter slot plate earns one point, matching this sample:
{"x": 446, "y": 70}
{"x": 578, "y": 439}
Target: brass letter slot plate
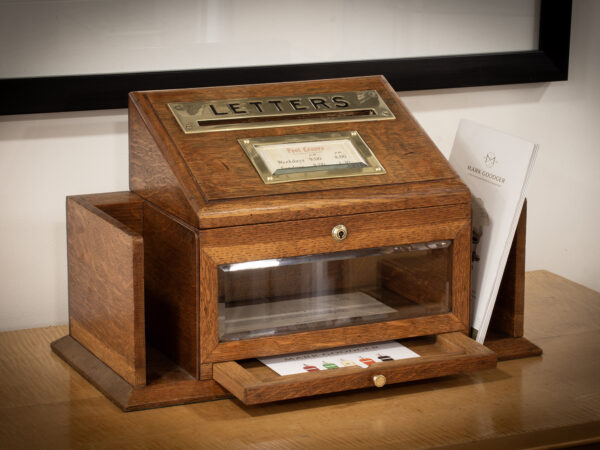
{"x": 280, "y": 159}
{"x": 267, "y": 112}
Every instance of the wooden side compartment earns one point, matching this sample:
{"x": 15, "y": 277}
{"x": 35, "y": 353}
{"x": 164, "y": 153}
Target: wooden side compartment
{"x": 106, "y": 281}
{"x": 109, "y": 305}
{"x": 505, "y": 334}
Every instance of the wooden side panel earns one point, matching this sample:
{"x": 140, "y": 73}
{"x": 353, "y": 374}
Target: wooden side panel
{"x": 508, "y": 315}
{"x": 172, "y": 287}
{"x": 150, "y": 175}
{"x": 505, "y": 334}
{"x": 106, "y": 289}
{"x": 461, "y": 276}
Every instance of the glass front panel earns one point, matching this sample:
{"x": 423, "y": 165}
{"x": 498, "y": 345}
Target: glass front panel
{"x": 289, "y": 295}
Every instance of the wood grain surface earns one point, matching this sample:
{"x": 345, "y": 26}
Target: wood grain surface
{"x": 166, "y": 384}
{"x": 222, "y": 171}
{"x": 106, "y": 285}
{"x": 172, "y": 287}
{"x": 505, "y": 333}
{"x": 508, "y": 315}
{"x": 313, "y": 236}
{"x": 454, "y": 353}
{"x": 151, "y": 176}
{"x": 210, "y": 176}
{"x": 547, "y": 401}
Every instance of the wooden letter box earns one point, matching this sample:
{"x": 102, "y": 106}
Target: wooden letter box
{"x": 267, "y": 220}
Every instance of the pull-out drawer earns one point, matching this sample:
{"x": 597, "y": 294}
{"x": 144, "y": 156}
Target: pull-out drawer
{"x": 444, "y": 354}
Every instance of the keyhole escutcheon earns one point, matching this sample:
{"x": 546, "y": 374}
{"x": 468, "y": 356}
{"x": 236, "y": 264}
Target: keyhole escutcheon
{"x": 339, "y": 232}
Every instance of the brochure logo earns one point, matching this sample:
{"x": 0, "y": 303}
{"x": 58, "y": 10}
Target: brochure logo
{"x": 490, "y": 159}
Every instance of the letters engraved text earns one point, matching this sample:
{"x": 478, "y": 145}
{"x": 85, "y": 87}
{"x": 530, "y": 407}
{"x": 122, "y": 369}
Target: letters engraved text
{"x": 268, "y": 112}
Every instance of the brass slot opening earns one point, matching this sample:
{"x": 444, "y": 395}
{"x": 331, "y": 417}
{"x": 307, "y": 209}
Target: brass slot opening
{"x": 268, "y": 112}
{"x": 299, "y": 116}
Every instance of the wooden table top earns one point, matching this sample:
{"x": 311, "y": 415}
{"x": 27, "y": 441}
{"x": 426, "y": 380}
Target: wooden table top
{"x": 531, "y": 402}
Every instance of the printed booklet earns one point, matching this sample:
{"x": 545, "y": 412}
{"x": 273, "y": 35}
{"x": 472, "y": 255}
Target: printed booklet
{"x": 496, "y": 167}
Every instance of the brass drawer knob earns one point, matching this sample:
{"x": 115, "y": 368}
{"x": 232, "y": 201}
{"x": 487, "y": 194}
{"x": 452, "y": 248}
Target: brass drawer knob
{"x": 339, "y": 232}
{"x": 379, "y": 380}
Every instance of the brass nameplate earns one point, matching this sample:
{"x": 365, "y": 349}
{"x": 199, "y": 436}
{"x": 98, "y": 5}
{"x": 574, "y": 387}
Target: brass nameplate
{"x": 280, "y": 159}
{"x": 267, "y": 112}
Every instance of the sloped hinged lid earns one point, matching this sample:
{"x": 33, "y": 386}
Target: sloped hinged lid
{"x": 207, "y": 136}
{"x": 217, "y": 118}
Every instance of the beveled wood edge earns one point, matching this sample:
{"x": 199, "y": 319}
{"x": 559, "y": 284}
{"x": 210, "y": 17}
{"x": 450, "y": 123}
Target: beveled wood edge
{"x": 138, "y": 102}
{"x": 93, "y": 370}
{"x": 331, "y": 338}
{"x": 234, "y": 378}
{"x": 520, "y": 240}
{"x": 374, "y": 199}
{"x": 466, "y": 356}
{"x": 218, "y": 243}
{"x": 509, "y": 343}
{"x": 208, "y": 210}
{"x": 208, "y": 309}
{"x": 121, "y": 393}
{"x": 461, "y": 281}
{"x": 509, "y": 348}
{"x": 90, "y": 202}
{"x": 108, "y": 198}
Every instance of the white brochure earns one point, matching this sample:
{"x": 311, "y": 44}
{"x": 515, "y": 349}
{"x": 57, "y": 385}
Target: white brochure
{"x": 335, "y": 358}
{"x": 496, "y": 167}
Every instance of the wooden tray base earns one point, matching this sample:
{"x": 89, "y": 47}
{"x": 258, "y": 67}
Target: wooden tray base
{"x": 168, "y": 384}
{"x": 512, "y": 347}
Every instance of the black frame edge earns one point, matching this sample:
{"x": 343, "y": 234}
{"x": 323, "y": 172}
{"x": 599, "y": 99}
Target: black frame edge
{"x": 108, "y": 91}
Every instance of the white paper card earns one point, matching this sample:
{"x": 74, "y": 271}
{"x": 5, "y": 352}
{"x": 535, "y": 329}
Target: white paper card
{"x": 496, "y": 167}
{"x": 309, "y": 154}
{"x": 356, "y": 355}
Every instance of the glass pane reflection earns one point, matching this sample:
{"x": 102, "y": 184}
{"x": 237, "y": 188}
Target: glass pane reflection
{"x": 280, "y": 296}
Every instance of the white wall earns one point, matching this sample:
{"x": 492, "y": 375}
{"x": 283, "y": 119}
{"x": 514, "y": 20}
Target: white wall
{"x": 45, "y": 157}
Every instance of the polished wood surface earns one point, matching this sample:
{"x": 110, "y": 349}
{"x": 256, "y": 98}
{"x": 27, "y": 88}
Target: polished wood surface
{"x": 151, "y": 176}
{"x": 209, "y": 175}
{"x": 172, "y": 288}
{"x": 508, "y": 314}
{"x": 313, "y": 236}
{"x": 222, "y": 171}
{"x": 167, "y": 383}
{"x": 524, "y": 403}
{"x": 106, "y": 283}
{"x": 505, "y": 333}
{"x": 444, "y": 354}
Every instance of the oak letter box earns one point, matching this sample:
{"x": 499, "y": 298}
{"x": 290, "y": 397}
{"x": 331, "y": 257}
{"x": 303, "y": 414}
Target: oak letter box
{"x": 268, "y": 220}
